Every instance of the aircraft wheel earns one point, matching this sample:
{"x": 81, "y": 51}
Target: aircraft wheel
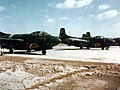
{"x": 69, "y": 44}
{"x": 43, "y": 52}
{"x": 2, "y": 53}
{"x": 102, "y": 48}
{"x": 81, "y": 47}
{"x": 11, "y": 51}
{"x": 88, "y": 47}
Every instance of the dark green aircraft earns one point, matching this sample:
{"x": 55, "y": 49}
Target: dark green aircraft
{"x": 38, "y": 40}
{"x": 85, "y": 41}
{"x": 117, "y": 41}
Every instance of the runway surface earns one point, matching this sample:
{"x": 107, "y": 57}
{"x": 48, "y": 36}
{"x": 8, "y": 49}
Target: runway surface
{"x": 46, "y": 72}
{"x": 75, "y": 54}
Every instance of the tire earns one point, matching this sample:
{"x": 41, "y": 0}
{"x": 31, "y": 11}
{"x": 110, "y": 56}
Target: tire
{"x": 2, "y": 53}
{"x": 102, "y": 48}
{"x": 69, "y": 44}
{"x": 11, "y": 51}
{"x": 81, "y": 47}
{"x": 44, "y": 52}
{"x": 88, "y": 47}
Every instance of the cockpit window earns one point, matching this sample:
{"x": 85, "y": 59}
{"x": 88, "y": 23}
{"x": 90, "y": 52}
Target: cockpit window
{"x": 37, "y": 33}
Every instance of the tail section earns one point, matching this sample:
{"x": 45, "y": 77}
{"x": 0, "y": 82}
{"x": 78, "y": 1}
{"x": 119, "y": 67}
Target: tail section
{"x": 62, "y": 33}
{"x": 87, "y": 35}
{"x": 4, "y": 35}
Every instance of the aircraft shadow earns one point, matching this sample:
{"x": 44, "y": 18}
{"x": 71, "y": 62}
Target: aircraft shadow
{"x": 68, "y": 49}
{"x": 76, "y": 49}
{"x": 64, "y": 49}
{"x": 24, "y": 53}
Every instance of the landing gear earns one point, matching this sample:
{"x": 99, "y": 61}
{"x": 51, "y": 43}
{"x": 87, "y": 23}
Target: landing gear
{"x": 81, "y": 47}
{"x": 69, "y": 44}
{"x": 44, "y": 47}
{"x": 102, "y": 48}
{"x": 88, "y": 47}
{"x": 11, "y": 51}
{"x": 43, "y": 52}
{"x": 1, "y": 53}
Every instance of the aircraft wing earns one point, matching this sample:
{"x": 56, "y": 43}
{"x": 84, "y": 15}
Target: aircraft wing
{"x": 8, "y": 39}
{"x": 79, "y": 40}
{"x": 7, "y": 42}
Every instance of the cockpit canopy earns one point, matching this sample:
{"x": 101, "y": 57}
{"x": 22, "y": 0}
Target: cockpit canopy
{"x": 39, "y": 33}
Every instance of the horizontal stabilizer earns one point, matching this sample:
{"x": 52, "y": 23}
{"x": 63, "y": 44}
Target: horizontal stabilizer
{"x": 4, "y": 35}
{"x": 87, "y": 35}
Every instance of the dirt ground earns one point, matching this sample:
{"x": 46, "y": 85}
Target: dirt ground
{"x": 75, "y": 75}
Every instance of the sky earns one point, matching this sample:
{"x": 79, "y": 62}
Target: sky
{"x": 100, "y": 17}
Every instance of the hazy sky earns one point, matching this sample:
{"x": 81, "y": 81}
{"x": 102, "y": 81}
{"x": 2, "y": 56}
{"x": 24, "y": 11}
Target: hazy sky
{"x": 100, "y": 17}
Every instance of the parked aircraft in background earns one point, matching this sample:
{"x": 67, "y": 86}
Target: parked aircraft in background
{"x": 85, "y": 41}
{"x": 117, "y": 41}
{"x": 38, "y": 40}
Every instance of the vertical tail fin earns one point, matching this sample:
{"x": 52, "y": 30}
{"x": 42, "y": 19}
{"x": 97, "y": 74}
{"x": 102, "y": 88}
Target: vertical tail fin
{"x": 62, "y": 33}
{"x": 87, "y": 35}
{"x": 3, "y": 35}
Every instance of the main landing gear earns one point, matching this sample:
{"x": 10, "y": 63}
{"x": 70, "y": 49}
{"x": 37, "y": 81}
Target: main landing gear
{"x": 11, "y": 50}
{"x": 1, "y": 53}
{"x": 43, "y": 52}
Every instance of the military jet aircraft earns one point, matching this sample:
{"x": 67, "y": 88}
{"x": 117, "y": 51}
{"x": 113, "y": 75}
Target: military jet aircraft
{"x": 117, "y": 41}
{"x": 38, "y": 40}
{"x": 85, "y": 41}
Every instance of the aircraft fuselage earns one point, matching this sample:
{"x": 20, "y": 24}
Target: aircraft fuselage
{"x": 35, "y": 41}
